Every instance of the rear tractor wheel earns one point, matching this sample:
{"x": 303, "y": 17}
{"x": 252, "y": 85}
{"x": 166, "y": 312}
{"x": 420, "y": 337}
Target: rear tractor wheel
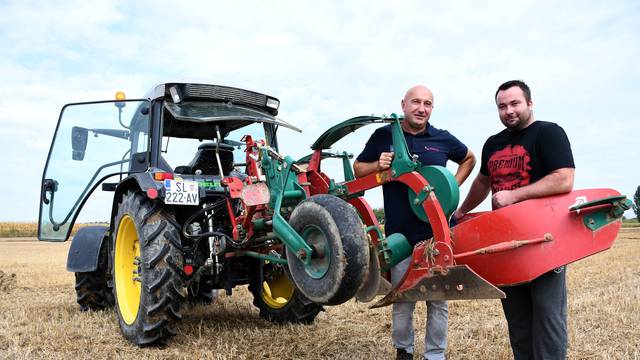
{"x": 147, "y": 269}
{"x": 279, "y": 301}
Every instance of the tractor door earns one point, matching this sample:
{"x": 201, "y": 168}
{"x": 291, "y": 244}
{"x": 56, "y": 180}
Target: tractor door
{"x": 92, "y": 142}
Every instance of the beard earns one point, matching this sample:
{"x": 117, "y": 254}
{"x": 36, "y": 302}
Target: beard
{"x": 519, "y": 122}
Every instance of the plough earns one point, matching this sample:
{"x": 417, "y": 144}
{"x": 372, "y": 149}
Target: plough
{"x": 508, "y": 246}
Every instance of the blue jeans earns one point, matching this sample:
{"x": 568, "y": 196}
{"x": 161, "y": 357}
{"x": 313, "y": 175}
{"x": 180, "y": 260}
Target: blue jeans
{"x": 435, "y": 340}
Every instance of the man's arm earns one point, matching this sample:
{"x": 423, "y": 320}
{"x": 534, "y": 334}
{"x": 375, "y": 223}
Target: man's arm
{"x": 479, "y": 190}
{"x": 361, "y": 169}
{"x": 556, "y": 182}
{"x": 465, "y": 166}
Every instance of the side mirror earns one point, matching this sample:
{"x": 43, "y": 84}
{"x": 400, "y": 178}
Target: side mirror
{"x": 79, "y": 137}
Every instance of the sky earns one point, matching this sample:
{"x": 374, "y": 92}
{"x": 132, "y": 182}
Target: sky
{"x": 327, "y": 62}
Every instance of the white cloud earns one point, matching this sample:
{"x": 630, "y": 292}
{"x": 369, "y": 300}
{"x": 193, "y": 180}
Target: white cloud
{"x": 328, "y": 62}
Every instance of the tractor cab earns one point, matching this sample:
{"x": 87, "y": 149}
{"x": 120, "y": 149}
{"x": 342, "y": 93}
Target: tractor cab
{"x": 182, "y": 129}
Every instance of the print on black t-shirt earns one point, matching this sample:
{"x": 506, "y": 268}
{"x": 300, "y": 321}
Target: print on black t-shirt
{"x": 509, "y": 168}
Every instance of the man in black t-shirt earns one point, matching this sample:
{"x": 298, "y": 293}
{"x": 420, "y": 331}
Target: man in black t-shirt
{"x": 433, "y": 147}
{"x": 528, "y": 159}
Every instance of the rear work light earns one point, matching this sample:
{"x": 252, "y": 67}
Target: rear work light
{"x": 159, "y": 176}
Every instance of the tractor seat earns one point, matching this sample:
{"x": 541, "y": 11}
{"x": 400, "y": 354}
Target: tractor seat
{"x": 205, "y": 160}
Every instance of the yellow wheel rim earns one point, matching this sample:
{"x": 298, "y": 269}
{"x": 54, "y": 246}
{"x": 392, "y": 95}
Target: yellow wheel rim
{"x": 277, "y": 292}
{"x": 127, "y": 265}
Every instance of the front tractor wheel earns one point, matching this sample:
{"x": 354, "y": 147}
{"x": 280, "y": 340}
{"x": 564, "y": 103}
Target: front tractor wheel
{"x": 147, "y": 263}
{"x": 278, "y": 299}
{"x": 93, "y": 292}
{"x": 92, "y": 288}
{"x": 340, "y": 259}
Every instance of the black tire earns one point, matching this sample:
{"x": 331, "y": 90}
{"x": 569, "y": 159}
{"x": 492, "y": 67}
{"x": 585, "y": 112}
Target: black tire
{"x": 92, "y": 289}
{"x": 147, "y": 234}
{"x": 287, "y": 306}
{"x": 329, "y": 223}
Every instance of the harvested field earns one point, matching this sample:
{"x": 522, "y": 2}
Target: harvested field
{"x": 40, "y": 319}
{"x": 30, "y": 229}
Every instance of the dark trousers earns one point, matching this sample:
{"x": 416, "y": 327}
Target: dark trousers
{"x": 536, "y": 313}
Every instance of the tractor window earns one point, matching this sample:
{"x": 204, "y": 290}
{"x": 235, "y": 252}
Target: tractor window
{"x": 187, "y": 156}
{"x": 92, "y": 142}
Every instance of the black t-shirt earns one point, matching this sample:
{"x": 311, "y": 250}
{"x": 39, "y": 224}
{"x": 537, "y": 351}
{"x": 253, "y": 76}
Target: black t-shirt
{"x": 433, "y": 147}
{"x": 515, "y": 159}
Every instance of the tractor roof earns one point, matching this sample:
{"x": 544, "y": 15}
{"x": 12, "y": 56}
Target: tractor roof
{"x": 200, "y": 110}
{"x": 177, "y": 92}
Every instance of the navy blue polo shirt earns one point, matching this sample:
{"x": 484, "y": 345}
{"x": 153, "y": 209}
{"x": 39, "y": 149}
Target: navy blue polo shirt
{"x": 433, "y": 147}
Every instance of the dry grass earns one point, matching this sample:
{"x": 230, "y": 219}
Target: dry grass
{"x": 630, "y": 223}
{"x": 40, "y": 319}
{"x": 29, "y": 229}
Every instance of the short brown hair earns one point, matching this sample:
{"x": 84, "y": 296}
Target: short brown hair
{"x": 511, "y": 83}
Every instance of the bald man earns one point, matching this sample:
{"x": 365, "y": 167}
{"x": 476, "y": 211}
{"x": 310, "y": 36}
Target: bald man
{"x": 433, "y": 147}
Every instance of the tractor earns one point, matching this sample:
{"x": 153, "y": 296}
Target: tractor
{"x": 202, "y": 200}
{"x": 196, "y": 178}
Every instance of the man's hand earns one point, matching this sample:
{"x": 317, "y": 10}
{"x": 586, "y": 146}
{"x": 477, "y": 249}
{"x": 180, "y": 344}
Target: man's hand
{"x": 384, "y": 162}
{"x": 457, "y": 215}
{"x": 503, "y": 198}
{"x": 556, "y": 182}
{"x": 361, "y": 169}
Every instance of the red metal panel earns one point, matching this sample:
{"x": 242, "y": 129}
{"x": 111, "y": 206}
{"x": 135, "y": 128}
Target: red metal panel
{"x": 529, "y": 220}
{"x": 252, "y": 154}
{"x": 422, "y": 267}
{"x": 437, "y": 219}
{"x": 369, "y": 182}
{"x": 235, "y": 186}
{"x": 316, "y": 158}
{"x": 416, "y": 182}
{"x": 368, "y": 216}
{"x": 319, "y": 185}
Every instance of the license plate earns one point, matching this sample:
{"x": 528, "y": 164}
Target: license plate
{"x": 181, "y": 192}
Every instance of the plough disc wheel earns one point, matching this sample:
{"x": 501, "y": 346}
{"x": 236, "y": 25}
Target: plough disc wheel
{"x": 340, "y": 261}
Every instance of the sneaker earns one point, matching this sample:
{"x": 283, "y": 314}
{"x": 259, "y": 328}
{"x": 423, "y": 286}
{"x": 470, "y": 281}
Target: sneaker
{"x": 402, "y": 354}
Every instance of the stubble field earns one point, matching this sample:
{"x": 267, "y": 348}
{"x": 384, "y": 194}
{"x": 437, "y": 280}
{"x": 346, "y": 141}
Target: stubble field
{"x": 40, "y": 319}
